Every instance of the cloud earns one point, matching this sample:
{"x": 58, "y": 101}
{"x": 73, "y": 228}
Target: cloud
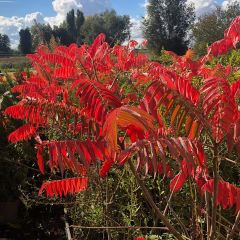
{"x": 144, "y": 4}
{"x": 88, "y": 7}
{"x": 203, "y": 6}
{"x": 227, "y": 2}
{"x": 136, "y": 31}
{"x": 12, "y": 25}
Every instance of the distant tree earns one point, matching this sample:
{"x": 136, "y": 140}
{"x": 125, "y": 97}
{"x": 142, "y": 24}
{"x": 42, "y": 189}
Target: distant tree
{"x": 71, "y": 25}
{"x": 4, "y": 43}
{"x": 25, "y": 44}
{"x": 167, "y": 25}
{"x": 116, "y": 28}
{"x": 41, "y": 34}
{"x": 62, "y": 35}
{"x": 210, "y": 27}
{"x": 79, "y": 22}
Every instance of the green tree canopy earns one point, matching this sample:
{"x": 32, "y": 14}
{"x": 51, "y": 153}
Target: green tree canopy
{"x": 41, "y": 34}
{"x": 166, "y": 25}
{"x": 79, "y": 22}
{"x": 63, "y": 35}
{"x": 25, "y": 44}
{"x": 116, "y": 28}
{"x": 4, "y": 43}
{"x": 210, "y": 27}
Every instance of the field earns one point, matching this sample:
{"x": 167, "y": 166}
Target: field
{"x": 12, "y": 62}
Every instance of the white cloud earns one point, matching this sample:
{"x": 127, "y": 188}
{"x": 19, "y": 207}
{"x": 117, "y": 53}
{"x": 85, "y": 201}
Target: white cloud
{"x": 88, "y": 7}
{"x": 227, "y": 2}
{"x": 203, "y": 6}
{"x": 12, "y": 25}
{"x": 136, "y": 31}
{"x": 144, "y": 4}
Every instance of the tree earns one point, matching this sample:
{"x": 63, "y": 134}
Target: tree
{"x": 180, "y": 123}
{"x": 41, "y": 34}
{"x": 25, "y": 44}
{"x": 79, "y": 22}
{"x": 116, "y": 28}
{"x": 167, "y": 25}
{"x": 63, "y": 35}
{"x": 4, "y": 43}
{"x": 71, "y": 25}
{"x": 210, "y": 27}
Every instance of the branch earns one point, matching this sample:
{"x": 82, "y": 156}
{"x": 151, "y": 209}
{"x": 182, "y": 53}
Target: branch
{"x": 118, "y": 227}
{"x": 150, "y": 201}
{"x": 215, "y": 193}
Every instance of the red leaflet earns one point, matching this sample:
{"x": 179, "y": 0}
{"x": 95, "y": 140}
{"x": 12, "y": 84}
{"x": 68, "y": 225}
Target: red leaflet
{"x": 63, "y": 187}
{"x": 139, "y": 238}
{"x": 177, "y": 182}
{"x": 25, "y": 132}
{"x": 106, "y": 167}
{"x": 135, "y": 133}
{"x": 40, "y": 158}
{"x": 228, "y": 194}
{"x": 65, "y": 73}
{"x": 221, "y": 47}
{"x": 233, "y": 32}
{"x": 230, "y": 40}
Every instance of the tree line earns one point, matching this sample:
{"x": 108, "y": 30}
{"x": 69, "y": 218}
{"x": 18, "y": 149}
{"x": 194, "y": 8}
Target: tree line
{"x": 169, "y": 25}
{"x": 76, "y": 29}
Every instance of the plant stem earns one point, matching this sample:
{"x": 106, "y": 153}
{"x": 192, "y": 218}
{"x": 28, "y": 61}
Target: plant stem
{"x": 234, "y": 228}
{"x": 215, "y": 193}
{"x": 150, "y": 201}
{"x": 67, "y": 227}
{"x": 207, "y": 213}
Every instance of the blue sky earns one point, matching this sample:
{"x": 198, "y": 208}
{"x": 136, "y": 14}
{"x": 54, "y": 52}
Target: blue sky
{"x": 17, "y": 14}
{"x": 23, "y": 7}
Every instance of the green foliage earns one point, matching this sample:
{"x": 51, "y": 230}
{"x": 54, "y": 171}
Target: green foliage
{"x": 25, "y": 45}
{"x": 71, "y": 24}
{"x": 79, "y": 22}
{"x": 41, "y": 34}
{"x": 167, "y": 24}
{"x": 4, "y": 43}
{"x": 116, "y": 28}
{"x": 210, "y": 27}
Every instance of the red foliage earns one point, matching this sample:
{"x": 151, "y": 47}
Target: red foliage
{"x": 228, "y": 194}
{"x": 61, "y": 188}
{"x": 79, "y": 93}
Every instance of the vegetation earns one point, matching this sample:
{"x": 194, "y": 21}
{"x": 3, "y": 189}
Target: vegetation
{"x": 116, "y": 28}
{"x": 219, "y": 20}
{"x": 41, "y": 34}
{"x": 77, "y": 29}
{"x": 167, "y": 25}
{"x": 4, "y": 44}
{"x": 101, "y": 109}
{"x": 25, "y": 45}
